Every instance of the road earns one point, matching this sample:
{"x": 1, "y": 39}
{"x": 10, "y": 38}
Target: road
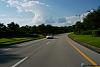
{"x": 58, "y": 52}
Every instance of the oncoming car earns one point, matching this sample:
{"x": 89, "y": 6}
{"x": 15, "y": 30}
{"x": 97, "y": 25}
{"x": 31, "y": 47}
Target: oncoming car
{"x": 49, "y": 36}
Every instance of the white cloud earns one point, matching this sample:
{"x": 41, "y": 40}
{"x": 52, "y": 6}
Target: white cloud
{"x": 3, "y": 15}
{"x": 38, "y": 18}
{"x": 69, "y": 20}
{"x": 16, "y": 20}
{"x": 72, "y": 20}
{"x": 32, "y": 6}
{"x": 35, "y": 7}
{"x": 62, "y": 21}
{"x": 82, "y": 16}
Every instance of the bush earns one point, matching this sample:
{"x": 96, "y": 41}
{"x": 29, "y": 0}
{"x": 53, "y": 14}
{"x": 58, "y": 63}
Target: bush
{"x": 10, "y": 35}
{"x": 96, "y": 33}
{"x": 89, "y": 32}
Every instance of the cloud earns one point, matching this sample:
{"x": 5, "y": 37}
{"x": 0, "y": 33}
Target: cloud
{"x": 50, "y": 20}
{"x": 71, "y": 20}
{"x": 25, "y": 5}
{"x": 62, "y": 20}
{"x": 7, "y": 20}
{"x": 37, "y": 8}
{"x": 68, "y": 20}
{"x": 32, "y": 6}
{"x": 3, "y": 15}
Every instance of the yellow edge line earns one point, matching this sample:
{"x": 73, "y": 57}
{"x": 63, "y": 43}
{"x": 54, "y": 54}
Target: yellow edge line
{"x": 84, "y": 55}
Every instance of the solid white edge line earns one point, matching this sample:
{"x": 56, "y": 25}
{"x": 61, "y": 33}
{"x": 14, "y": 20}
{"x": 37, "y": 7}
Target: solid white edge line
{"x": 19, "y": 62}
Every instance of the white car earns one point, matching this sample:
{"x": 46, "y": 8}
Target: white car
{"x": 49, "y": 36}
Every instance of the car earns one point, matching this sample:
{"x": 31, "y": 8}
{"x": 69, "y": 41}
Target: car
{"x": 49, "y": 36}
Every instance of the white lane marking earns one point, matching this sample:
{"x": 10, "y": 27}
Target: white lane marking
{"x": 15, "y": 65}
{"x": 6, "y": 49}
{"x": 47, "y": 43}
{"x": 23, "y": 45}
{"x": 31, "y": 42}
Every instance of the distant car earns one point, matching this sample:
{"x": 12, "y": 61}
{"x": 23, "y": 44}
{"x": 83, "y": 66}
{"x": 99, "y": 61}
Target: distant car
{"x": 49, "y": 36}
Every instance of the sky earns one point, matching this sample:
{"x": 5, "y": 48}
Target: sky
{"x": 54, "y": 12}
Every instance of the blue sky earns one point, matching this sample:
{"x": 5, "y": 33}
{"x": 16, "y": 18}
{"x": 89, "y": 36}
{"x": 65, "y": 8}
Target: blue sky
{"x": 54, "y": 12}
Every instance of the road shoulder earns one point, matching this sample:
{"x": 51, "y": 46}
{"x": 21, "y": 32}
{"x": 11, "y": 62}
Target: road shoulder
{"x": 96, "y": 49}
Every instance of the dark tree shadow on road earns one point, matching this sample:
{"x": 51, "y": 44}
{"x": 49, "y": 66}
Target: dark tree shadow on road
{"x": 6, "y": 57}
{"x": 8, "y": 46}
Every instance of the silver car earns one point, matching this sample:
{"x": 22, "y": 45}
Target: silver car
{"x": 49, "y": 36}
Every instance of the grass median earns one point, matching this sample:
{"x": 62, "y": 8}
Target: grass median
{"x": 89, "y": 39}
{"x": 14, "y": 40}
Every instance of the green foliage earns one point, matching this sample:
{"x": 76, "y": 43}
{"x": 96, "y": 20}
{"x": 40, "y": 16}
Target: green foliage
{"x": 9, "y": 41}
{"x": 78, "y": 27}
{"x": 88, "y": 32}
{"x": 14, "y": 30}
{"x": 2, "y": 28}
{"x": 70, "y": 28}
{"x": 96, "y": 33}
{"x": 90, "y": 22}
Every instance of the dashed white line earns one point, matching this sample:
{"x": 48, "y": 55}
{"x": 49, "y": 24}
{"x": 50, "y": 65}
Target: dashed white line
{"x": 27, "y": 43}
{"x": 6, "y": 49}
{"x": 23, "y": 45}
{"x": 15, "y": 65}
{"x": 47, "y": 43}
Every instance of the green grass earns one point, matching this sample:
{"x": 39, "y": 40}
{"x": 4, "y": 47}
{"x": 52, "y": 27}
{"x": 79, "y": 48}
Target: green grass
{"x": 13, "y": 40}
{"x": 9, "y": 41}
{"x": 94, "y": 41}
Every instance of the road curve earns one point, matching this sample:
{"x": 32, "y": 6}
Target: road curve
{"x": 58, "y": 52}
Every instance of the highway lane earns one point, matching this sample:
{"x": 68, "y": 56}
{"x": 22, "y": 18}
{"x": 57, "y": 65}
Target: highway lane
{"x": 12, "y": 54}
{"x": 58, "y": 52}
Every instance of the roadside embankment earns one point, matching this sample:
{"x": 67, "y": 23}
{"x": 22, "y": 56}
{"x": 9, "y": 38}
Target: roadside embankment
{"x": 87, "y": 41}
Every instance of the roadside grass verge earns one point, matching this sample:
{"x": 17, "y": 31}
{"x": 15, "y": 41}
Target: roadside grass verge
{"x": 89, "y": 39}
{"x": 14, "y": 40}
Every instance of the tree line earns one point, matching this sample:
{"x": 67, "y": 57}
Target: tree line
{"x": 15, "y": 30}
{"x": 90, "y": 24}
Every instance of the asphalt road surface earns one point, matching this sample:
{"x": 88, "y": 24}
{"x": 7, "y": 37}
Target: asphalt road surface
{"x": 58, "y": 52}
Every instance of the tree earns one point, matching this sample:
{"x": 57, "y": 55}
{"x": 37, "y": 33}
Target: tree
{"x": 79, "y": 27}
{"x": 13, "y": 28}
{"x": 2, "y": 28}
{"x": 41, "y": 29}
{"x": 92, "y": 20}
{"x": 25, "y": 29}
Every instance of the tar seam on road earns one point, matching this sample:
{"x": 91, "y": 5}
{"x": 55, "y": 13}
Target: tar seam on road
{"x": 84, "y": 55}
{"x": 19, "y": 62}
